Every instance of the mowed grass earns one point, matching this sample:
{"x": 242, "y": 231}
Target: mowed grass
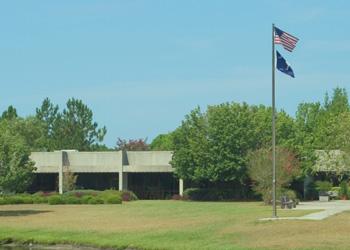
{"x": 171, "y": 225}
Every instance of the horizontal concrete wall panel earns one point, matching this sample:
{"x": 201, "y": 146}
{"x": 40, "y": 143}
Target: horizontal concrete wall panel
{"x": 103, "y": 162}
{"x": 148, "y": 169}
{"x": 149, "y": 158}
{"x": 98, "y": 162}
{"x": 46, "y": 162}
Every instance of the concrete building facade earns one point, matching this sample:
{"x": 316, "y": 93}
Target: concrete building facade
{"x": 121, "y": 163}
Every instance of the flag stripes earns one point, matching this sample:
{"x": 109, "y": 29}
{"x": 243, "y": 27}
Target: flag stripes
{"x": 287, "y": 40}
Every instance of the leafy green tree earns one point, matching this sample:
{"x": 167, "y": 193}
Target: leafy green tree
{"x": 10, "y": 113}
{"x": 16, "y": 169}
{"x": 307, "y": 119}
{"x": 163, "y": 142}
{"x": 29, "y": 129}
{"x": 32, "y": 131}
{"x": 339, "y": 102}
{"x": 191, "y": 156}
{"x": 321, "y": 126}
{"x": 213, "y": 146}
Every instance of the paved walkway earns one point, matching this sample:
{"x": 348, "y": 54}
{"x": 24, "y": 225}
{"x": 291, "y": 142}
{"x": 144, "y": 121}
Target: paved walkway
{"x": 329, "y": 209}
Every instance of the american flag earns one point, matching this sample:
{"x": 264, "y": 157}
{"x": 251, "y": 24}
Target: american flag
{"x": 287, "y": 40}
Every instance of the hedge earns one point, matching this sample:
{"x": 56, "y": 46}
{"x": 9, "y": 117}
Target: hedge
{"x": 72, "y": 197}
{"x": 209, "y": 194}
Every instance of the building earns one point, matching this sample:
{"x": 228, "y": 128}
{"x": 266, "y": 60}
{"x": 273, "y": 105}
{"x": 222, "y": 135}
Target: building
{"x": 147, "y": 173}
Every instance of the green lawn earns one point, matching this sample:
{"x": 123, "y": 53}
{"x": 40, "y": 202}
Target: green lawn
{"x": 171, "y": 225}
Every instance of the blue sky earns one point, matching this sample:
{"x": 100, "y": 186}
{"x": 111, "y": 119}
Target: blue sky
{"x": 142, "y": 65}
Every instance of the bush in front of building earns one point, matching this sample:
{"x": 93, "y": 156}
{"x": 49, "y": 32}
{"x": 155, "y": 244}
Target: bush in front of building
{"x": 197, "y": 194}
{"x": 177, "y": 197}
{"x": 86, "y": 198}
{"x": 113, "y": 199}
{"x": 42, "y": 197}
{"x": 111, "y": 196}
{"x": 56, "y": 200}
{"x": 16, "y": 199}
{"x": 129, "y": 196}
{"x": 72, "y": 197}
{"x": 72, "y": 200}
{"x": 124, "y": 195}
{"x": 96, "y": 200}
{"x": 209, "y": 194}
{"x": 39, "y": 199}
{"x": 79, "y": 193}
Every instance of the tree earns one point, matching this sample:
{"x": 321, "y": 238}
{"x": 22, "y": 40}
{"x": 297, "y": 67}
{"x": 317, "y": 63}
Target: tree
{"x": 321, "y": 126}
{"x": 132, "y": 144}
{"x": 10, "y": 113}
{"x": 50, "y": 117}
{"x": 29, "y": 129}
{"x": 213, "y": 146}
{"x": 260, "y": 170}
{"x": 191, "y": 156}
{"x": 339, "y": 102}
{"x": 75, "y": 128}
{"x": 16, "y": 169}
{"x": 308, "y": 118}
{"x": 32, "y": 131}
{"x": 163, "y": 142}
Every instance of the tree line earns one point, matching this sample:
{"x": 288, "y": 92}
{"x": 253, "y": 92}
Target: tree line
{"x": 210, "y": 147}
{"x": 218, "y": 145}
{"x": 48, "y": 130}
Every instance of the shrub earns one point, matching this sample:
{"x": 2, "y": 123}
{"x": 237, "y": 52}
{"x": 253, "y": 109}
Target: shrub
{"x": 82, "y": 192}
{"x": 176, "y": 197}
{"x": 344, "y": 190}
{"x": 194, "y": 194}
{"x": 72, "y": 197}
{"x": 259, "y": 170}
{"x": 128, "y": 196}
{"x": 45, "y": 194}
{"x": 85, "y": 199}
{"x": 208, "y": 194}
{"x": 56, "y": 200}
{"x": 111, "y": 196}
{"x": 110, "y": 191}
{"x": 323, "y": 186}
{"x": 96, "y": 200}
{"x": 335, "y": 192}
{"x": 79, "y": 194}
{"x": 26, "y": 199}
{"x": 39, "y": 199}
{"x": 14, "y": 200}
{"x": 2, "y": 201}
{"x": 72, "y": 200}
{"x": 291, "y": 194}
{"x": 113, "y": 199}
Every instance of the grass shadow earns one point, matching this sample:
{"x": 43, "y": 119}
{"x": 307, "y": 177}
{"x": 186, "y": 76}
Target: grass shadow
{"x": 10, "y": 213}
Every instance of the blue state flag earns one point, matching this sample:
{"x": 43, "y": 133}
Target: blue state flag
{"x": 283, "y": 66}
